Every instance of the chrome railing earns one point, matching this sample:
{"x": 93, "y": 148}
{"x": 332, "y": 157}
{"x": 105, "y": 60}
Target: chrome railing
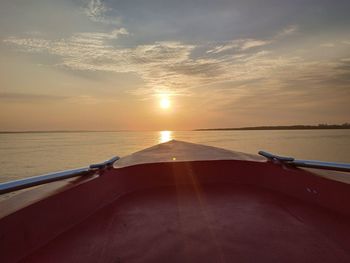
{"x": 343, "y": 167}
{"x": 15, "y": 185}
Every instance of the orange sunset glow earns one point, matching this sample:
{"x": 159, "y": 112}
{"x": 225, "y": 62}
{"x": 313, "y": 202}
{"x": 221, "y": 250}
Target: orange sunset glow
{"x": 107, "y": 65}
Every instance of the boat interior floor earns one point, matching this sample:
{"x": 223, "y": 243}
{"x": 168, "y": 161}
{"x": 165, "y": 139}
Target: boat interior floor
{"x": 196, "y": 223}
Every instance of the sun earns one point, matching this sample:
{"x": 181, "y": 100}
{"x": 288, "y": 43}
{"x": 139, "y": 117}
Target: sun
{"x": 165, "y": 103}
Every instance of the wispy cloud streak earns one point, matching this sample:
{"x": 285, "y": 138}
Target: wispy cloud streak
{"x": 240, "y": 45}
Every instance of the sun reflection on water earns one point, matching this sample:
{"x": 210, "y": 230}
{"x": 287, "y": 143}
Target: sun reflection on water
{"x": 165, "y": 136}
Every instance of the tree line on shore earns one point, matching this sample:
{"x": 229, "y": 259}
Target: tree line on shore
{"x": 287, "y": 127}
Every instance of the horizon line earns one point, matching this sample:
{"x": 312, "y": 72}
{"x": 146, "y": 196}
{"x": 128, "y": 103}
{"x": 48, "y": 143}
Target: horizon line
{"x": 265, "y": 127}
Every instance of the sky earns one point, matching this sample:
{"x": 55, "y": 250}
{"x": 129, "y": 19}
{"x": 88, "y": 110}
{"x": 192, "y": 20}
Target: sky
{"x": 172, "y": 65}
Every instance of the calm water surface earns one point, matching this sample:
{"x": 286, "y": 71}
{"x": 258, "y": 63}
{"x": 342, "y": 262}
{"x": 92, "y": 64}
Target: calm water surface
{"x": 28, "y": 154}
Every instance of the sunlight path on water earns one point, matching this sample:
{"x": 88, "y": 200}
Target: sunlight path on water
{"x": 165, "y": 136}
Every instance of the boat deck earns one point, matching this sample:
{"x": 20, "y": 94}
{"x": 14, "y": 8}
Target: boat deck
{"x": 222, "y": 223}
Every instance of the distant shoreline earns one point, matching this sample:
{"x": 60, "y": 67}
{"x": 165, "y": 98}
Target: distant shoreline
{"x": 255, "y": 128}
{"x": 288, "y": 127}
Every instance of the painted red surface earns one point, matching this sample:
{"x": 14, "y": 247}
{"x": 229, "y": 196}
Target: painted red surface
{"x": 199, "y": 211}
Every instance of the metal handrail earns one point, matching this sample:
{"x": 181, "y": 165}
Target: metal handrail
{"x": 15, "y": 185}
{"x": 343, "y": 167}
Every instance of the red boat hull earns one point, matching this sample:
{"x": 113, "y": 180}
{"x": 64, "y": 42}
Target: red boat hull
{"x": 196, "y": 211}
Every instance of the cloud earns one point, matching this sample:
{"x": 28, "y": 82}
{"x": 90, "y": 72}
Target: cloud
{"x": 170, "y": 67}
{"x": 15, "y": 97}
{"x": 250, "y": 43}
{"x": 240, "y": 44}
{"x": 327, "y": 45}
{"x": 245, "y": 44}
{"x": 289, "y": 30}
{"x": 25, "y": 97}
{"x": 97, "y": 11}
{"x": 99, "y": 37}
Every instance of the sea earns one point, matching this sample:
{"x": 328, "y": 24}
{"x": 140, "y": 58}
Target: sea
{"x": 35, "y": 153}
